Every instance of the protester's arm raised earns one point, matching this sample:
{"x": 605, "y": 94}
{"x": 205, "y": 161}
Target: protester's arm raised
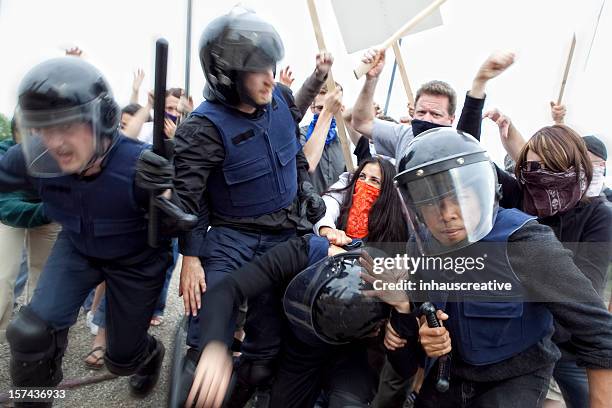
{"x": 313, "y": 148}
{"x": 511, "y": 138}
{"x": 363, "y": 114}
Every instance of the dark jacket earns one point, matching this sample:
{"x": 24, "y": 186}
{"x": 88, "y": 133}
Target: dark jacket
{"x": 20, "y": 209}
{"x": 586, "y": 230}
{"x": 546, "y": 271}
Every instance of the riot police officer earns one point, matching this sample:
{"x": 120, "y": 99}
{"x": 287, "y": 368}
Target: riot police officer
{"x": 239, "y": 166}
{"x": 502, "y": 353}
{"x": 84, "y": 171}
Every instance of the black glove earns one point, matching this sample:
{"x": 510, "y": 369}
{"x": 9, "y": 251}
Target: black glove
{"x": 311, "y": 202}
{"x": 174, "y": 221}
{"x": 154, "y": 172}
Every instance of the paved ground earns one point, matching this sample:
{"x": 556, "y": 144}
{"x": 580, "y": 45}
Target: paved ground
{"x": 112, "y": 393}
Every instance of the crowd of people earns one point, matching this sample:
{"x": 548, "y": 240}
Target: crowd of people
{"x": 277, "y": 240}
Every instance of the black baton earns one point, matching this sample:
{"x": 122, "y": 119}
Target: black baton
{"x": 443, "y": 377}
{"x": 159, "y": 111}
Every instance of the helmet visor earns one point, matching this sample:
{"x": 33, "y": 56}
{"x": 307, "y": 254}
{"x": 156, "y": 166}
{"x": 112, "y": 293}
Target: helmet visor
{"x": 451, "y": 209}
{"x": 325, "y": 302}
{"x": 250, "y": 44}
{"x": 57, "y": 142}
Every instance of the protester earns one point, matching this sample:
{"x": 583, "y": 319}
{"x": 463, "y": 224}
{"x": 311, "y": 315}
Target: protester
{"x": 320, "y": 141}
{"x": 435, "y": 105}
{"x": 363, "y": 205}
{"x": 24, "y": 228}
{"x": 553, "y": 173}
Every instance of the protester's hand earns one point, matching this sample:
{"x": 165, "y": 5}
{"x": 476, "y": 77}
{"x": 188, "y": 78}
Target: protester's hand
{"x": 377, "y": 57}
{"x": 74, "y": 52}
{"x": 169, "y": 128}
{"x": 501, "y": 120}
{"x": 335, "y": 250}
{"x": 154, "y": 172}
{"x": 406, "y": 119}
{"x": 185, "y": 104}
{"x": 285, "y": 76}
{"x": 192, "y": 284}
{"x": 325, "y": 60}
{"x": 137, "y": 80}
{"x": 335, "y": 236}
{"x": 396, "y": 298}
{"x": 497, "y": 63}
{"x": 557, "y": 112}
{"x": 436, "y": 341}
{"x": 392, "y": 339}
{"x": 333, "y": 101}
{"x": 212, "y": 377}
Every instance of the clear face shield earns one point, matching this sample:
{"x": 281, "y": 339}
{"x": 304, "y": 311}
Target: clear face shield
{"x": 258, "y": 47}
{"x": 60, "y": 141}
{"x": 451, "y": 209}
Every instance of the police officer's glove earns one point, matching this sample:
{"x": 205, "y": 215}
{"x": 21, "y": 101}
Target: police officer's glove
{"x": 174, "y": 220}
{"x": 311, "y": 202}
{"x": 154, "y": 172}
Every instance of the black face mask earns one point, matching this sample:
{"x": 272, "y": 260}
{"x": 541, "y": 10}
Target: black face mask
{"x": 420, "y": 126}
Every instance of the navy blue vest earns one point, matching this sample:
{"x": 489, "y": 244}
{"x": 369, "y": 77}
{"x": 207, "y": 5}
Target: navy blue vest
{"x": 100, "y": 216}
{"x": 491, "y": 326}
{"x": 259, "y": 174}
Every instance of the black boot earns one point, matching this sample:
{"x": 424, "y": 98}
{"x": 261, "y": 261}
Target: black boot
{"x": 147, "y": 375}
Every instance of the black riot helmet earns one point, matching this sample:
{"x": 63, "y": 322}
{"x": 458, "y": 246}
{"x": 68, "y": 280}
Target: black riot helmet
{"x": 449, "y": 190}
{"x": 233, "y": 44}
{"x": 325, "y": 302}
{"x": 56, "y": 96}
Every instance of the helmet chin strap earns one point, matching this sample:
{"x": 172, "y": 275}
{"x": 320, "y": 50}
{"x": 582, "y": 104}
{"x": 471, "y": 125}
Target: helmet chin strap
{"x": 100, "y": 154}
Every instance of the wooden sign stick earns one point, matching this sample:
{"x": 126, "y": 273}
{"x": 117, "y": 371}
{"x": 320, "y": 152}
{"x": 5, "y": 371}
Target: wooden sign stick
{"x": 567, "y": 68}
{"x": 403, "y": 73}
{"x": 331, "y": 86}
{"x": 363, "y": 67}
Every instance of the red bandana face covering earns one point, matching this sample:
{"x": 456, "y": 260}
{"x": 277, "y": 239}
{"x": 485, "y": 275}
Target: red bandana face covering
{"x": 363, "y": 199}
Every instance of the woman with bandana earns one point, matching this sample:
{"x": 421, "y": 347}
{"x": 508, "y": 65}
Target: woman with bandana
{"x": 553, "y": 174}
{"x": 363, "y": 205}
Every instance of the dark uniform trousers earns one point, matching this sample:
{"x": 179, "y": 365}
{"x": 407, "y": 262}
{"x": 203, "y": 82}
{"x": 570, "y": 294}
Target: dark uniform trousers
{"x": 133, "y": 286}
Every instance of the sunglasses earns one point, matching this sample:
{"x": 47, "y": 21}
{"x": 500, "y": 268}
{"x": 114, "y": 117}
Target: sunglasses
{"x": 532, "y": 166}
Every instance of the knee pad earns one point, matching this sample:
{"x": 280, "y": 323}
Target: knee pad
{"x": 36, "y": 350}
{"x": 249, "y": 376}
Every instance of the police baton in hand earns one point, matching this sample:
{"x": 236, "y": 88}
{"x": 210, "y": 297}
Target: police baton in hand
{"x": 159, "y": 110}
{"x": 443, "y": 378}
